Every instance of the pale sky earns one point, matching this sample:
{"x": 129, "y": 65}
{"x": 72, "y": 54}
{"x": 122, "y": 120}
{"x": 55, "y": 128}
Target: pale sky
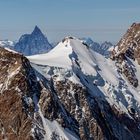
{"x": 99, "y": 19}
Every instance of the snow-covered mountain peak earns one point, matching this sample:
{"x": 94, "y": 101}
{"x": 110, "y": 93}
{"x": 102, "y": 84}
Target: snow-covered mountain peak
{"x": 68, "y": 53}
{"x": 74, "y": 63}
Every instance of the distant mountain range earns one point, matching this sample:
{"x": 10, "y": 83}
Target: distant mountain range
{"x": 37, "y": 43}
{"x": 100, "y": 48}
{"x": 7, "y": 43}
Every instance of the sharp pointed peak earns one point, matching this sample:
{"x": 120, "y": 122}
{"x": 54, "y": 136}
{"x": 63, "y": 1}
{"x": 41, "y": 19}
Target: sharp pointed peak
{"x": 36, "y": 30}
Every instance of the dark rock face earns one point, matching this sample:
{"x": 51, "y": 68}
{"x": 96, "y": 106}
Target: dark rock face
{"x": 89, "y": 117}
{"x": 34, "y": 43}
{"x": 130, "y": 42}
{"x": 17, "y": 88}
{"x": 128, "y": 48}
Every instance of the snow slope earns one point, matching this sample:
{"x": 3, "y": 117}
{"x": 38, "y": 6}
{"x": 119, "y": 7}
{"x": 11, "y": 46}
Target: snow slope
{"x": 58, "y": 57}
{"x": 65, "y": 54}
{"x": 77, "y": 62}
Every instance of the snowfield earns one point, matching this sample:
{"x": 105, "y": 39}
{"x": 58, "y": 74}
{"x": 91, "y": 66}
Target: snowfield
{"x": 58, "y": 57}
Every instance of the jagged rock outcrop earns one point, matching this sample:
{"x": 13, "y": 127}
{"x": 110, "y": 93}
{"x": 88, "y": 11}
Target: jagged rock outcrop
{"x": 130, "y": 43}
{"x": 18, "y": 87}
{"x": 128, "y": 48}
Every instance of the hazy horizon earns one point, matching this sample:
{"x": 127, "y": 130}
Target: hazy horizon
{"x": 101, "y": 20}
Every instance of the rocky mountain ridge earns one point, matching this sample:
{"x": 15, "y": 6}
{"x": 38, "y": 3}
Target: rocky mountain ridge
{"x": 16, "y": 93}
{"x": 127, "y": 51}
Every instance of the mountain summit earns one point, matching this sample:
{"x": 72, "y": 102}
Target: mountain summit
{"x": 34, "y": 43}
{"x": 37, "y": 31}
{"x": 102, "y": 101}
